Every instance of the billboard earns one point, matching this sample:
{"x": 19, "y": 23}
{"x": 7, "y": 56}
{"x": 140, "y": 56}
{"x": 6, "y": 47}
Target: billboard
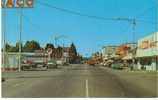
{"x": 17, "y": 3}
{"x": 148, "y": 46}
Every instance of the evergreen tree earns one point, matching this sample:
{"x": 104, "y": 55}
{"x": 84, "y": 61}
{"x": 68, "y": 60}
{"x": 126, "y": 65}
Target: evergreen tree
{"x": 49, "y": 45}
{"x": 73, "y": 53}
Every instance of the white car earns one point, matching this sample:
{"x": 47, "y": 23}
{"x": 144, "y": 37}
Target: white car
{"x": 59, "y": 62}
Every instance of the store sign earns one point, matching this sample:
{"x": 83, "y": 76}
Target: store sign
{"x": 17, "y": 3}
{"x": 147, "y": 44}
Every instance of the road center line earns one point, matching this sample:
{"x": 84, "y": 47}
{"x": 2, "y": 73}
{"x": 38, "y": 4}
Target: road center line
{"x": 87, "y": 94}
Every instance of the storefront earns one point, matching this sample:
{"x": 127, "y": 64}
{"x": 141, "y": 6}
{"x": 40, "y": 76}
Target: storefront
{"x": 147, "y": 52}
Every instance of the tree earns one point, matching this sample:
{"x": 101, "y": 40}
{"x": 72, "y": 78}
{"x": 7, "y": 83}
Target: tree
{"x": 31, "y": 46}
{"x": 10, "y": 48}
{"x": 73, "y": 49}
{"x": 49, "y": 45}
{"x": 13, "y": 49}
{"x": 73, "y": 53}
{"x": 7, "y": 47}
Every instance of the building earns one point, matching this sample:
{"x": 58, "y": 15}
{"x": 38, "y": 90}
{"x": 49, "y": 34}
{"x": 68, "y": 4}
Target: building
{"x": 109, "y": 52}
{"x": 66, "y": 55}
{"x": 60, "y": 53}
{"x": 147, "y": 52}
{"x": 11, "y": 59}
{"x": 126, "y": 53}
{"x": 125, "y": 50}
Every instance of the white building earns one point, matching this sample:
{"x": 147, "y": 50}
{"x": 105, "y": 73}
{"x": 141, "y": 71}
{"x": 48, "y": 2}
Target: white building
{"x": 11, "y": 59}
{"x": 147, "y": 52}
{"x": 108, "y": 52}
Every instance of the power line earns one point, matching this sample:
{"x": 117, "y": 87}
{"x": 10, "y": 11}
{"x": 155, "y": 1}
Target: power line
{"x": 32, "y": 24}
{"x": 29, "y": 21}
{"x": 73, "y": 12}
{"x": 91, "y": 16}
{"x": 84, "y": 15}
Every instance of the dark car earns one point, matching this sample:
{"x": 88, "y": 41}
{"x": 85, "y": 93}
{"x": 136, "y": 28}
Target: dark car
{"x": 3, "y": 79}
{"x": 51, "y": 64}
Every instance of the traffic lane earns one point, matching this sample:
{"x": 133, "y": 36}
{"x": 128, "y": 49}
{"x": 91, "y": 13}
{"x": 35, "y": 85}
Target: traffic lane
{"x": 33, "y": 73}
{"x": 16, "y": 86}
{"x": 54, "y": 87}
{"x": 103, "y": 84}
{"x": 62, "y": 85}
{"x": 135, "y": 84}
{"x": 77, "y": 81}
{"x": 97, "y": 82}
{"x": 20, "y": 81}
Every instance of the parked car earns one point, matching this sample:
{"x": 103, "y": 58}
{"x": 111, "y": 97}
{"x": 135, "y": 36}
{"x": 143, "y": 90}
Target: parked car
{"x": 51, "y": 64}
{"x": 108, "y": 63}
{"x": 39, "y": 63}
{"x": 65, "y": 64}
{"x": 3, "y": 79}
{"x": 60, "y": 62}
{"x": 117, "y": 66}
{"x": 27, "y": 64}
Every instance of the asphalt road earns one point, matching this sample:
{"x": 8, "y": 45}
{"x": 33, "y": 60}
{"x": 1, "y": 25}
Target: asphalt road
{"x": 72, "y": 81}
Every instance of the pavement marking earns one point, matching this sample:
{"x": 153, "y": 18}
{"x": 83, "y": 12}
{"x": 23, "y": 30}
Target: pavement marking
{"x": 87, "y": 94}
{"x": 19, "y": 84}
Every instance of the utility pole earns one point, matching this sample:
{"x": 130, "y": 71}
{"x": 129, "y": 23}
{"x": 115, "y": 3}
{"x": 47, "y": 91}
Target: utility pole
{"x": 133, "y": 22}
{"x": 20, "y": 43}
{"x": 4, "y": 36}
{"x": 133, "y": 29}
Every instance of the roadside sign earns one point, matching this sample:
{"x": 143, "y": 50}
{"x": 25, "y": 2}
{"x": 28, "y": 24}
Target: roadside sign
{"x": 65, "y": 54}
{"x": 17, "y": 3}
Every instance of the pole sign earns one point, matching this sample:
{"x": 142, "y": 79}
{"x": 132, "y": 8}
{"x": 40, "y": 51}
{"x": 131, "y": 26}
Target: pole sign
{"x": 17, "y": 3}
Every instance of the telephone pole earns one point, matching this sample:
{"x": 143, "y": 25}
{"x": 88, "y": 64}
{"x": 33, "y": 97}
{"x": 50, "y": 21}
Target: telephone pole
{"x": 4, "y": 36}
{"x": 133, "y": 22}
{"x": 20, "y": 42}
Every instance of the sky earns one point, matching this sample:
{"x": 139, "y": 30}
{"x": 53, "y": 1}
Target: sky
{"x": 42, "y": 22}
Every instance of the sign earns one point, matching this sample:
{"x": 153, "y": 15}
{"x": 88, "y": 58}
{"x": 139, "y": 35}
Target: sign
{"x": 148, "y": 46}
{"x": 65, "y": 54}
{"x": 17, "y": 3}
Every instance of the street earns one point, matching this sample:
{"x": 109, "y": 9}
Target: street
{"x": 81, "y": 81}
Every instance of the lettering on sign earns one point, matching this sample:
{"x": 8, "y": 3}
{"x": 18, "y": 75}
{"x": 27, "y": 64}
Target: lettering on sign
{"x": 17, "y": 3}
{"x": 147, "y": 44}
